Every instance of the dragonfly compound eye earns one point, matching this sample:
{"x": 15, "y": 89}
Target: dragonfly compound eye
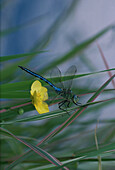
{"x": 75, "y": 98}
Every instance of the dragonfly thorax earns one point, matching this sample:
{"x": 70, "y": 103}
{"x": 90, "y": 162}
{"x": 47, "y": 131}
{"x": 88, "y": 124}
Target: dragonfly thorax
{"x": 67, "y": 94}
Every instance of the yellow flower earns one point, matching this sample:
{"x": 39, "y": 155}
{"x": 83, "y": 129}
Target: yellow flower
{"x": 39, "y": 95}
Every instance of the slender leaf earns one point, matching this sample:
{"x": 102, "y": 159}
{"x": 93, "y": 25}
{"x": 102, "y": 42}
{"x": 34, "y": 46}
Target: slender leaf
{"x": 10, "y": 57}
{"x": 18, "y": 27}
{"x": 109, "y": 149}
{"x": 67, "y": 122}
{"x": 8, "y": 73}
{"x": 36, "y": 149}
{"x": 43, "y": 41}
{"x": 25, "y": 85}
{"x": 77, "y": 49}
{"x": 15, "y": 94}
{"x": 52, "y": 114}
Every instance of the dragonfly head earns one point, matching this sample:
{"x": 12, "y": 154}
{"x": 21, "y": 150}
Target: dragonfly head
{"x": 75, "y": 99}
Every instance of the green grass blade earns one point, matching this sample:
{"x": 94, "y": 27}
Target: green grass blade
{"x": 15, "y": 94}
{"x": 36, "y": 149}
{"x": 25, "y": 85}
{"x": 70, "y": 120}
{"x": 21, "y": 26}
{"x": 88, "y": 74}
{"x": 52, "y": 114}
{"x": 72, "y": 53}
{"x": 76, "y": 113}
{"x": 10, "y": 57}
{"x": 10, "y": 112}
{"x": 18, "y": 86}
{"x": 8, "y": 73}
{"x": 101, "y": 89}
{"x": 44, "y": 40}
{"x": 104, "y": 151}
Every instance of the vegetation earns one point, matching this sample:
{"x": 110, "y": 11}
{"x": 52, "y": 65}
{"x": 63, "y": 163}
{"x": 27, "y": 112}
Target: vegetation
{"x": 54, "y": 140}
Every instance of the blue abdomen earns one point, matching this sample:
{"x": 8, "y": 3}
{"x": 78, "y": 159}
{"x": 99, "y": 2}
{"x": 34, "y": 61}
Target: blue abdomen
{"x": 40, "y": 77}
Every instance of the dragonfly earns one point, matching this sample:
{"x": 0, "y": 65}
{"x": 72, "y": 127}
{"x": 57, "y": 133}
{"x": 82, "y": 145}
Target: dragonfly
{"x": 63, "y": 89}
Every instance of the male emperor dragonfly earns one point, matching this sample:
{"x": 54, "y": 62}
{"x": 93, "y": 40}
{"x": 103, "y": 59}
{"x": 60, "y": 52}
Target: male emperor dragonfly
{"x": 64, "y": 90}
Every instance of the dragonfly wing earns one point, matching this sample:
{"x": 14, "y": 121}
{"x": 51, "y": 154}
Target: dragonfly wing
{"x": 54, "y": 100}
{"x": 70, "y": 72}
{"x": 56, "y": 77}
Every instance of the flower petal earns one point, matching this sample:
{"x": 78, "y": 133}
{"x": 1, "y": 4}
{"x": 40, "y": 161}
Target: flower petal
{"x": 43, "y": 93}
{"x": 41, "y": 107}
{"x": 36, "y": 86}
{"x": 39, "y": 95}
{"x": 36, "y": 98}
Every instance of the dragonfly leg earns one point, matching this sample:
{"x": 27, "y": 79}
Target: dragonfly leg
{"x": 62, "y": 103}
{"x": 68, "y": 103}
{"x": 78, "y": 104}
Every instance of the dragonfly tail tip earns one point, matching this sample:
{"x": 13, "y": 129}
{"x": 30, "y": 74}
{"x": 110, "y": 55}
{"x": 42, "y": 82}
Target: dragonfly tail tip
{"x": 21, "y": 67}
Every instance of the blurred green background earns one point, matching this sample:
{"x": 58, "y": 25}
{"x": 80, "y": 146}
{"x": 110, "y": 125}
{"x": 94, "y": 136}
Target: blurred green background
{"x": 41, "y": 35}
